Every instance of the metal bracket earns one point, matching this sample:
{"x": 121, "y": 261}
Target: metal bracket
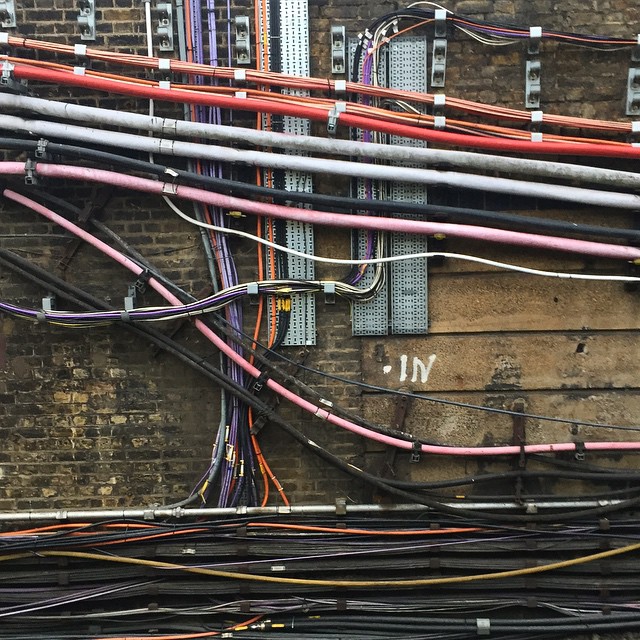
{"x": 334, "y": 115}
{"x": 130, "y": 299}
{"x": 243, "y": 40}
{"x": 533, "y": 70}
{"x": 532, "y": 84}
{"x": 338, "y": 49}
{"x": 165, "y": 26}
{"x": 87, "y": 19}
{"x": 7, "y": 14}
{"x": 633, "y": 83}
{"x": 439, "y": 55}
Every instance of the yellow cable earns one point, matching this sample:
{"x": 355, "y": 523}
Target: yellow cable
{"x": 424, "y": 582}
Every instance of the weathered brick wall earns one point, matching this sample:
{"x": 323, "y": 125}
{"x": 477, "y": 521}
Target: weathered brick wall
{"x": 95, "y": 419}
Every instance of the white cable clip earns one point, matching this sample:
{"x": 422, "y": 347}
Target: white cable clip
{"x": 483, "y": 626}
{"x": 334, "y": 115}
{"x": 241, "y": 95}
{"x": 80, "y": 50}
{"x": 169, "y": 188}
{"x": 79, "y": 71}
{"x": 439, "y": 123}
{"x": 439, "y": 103}
{"x": 536, "y": 117}
{"x": 240, "y": 75}
{"x": 340, "y": 86}
{"x": 164, "y": 64}
{"x": 164, "y": 84}
{"x": 536, "y": 136}
{"x": 4, "y": 37}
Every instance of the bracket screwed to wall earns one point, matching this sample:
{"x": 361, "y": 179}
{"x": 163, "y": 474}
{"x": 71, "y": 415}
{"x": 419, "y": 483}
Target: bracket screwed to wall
{"x": 165, "y": 26}
{"x": 7, "y": 14}
{"x": 87, "y": 19}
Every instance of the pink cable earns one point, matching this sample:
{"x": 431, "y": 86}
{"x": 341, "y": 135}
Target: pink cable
{"x": 278, "y": 388}
{"x": 484, "y": 234}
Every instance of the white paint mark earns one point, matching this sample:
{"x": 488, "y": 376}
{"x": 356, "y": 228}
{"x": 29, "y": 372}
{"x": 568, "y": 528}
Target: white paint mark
{"x": 425, "y": 370}
{"x": 403, "y": 367}
{"x": 386, "y": 369}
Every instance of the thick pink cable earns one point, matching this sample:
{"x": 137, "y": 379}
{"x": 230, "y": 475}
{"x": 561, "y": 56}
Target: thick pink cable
{"x": 484, "y": 234}
{"x": 282, "y": 391}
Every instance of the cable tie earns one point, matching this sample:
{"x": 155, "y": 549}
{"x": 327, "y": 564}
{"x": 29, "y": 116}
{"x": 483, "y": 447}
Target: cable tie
{"x": 31, "y": 176}
{"x": 142, "y": 281}
{"x": 41, "y": 317}
{"x": 261, "y": 380}
{"x": 164, "y": 84}
{"x": 4, "y": 37}
{"x": 79, "y": 71}
{"x": 241, "y": 95}
{"x": 240, "y": 75}
{"x": 439, "y": 123}
{"x": 580, "y": 451}
{"x": 169, "y": 171}
{"x": 124, "y": 316}
{"x": 169, "y": 125}
{"x": 483, "y": 626}
{"x": 80, "y": 50}
{"x": 416, "y": 452}
{"x": 367, "y": 34}
{"x": 164, "y": 64}
{"x": 340, "y": 86}
{"x": 536, "y": 136}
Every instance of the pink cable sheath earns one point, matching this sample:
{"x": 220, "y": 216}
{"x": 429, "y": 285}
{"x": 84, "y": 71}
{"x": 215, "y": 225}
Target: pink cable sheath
{"x": 326, "y": 218}
{"x": 282, "y": 391}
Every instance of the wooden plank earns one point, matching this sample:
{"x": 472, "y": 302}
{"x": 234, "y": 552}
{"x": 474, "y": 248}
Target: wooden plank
{"x": 515, "y": 302}
{"x": 494, "y": 362}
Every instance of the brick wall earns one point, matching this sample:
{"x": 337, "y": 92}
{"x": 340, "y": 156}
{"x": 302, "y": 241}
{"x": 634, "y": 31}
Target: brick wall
{"x": 96, "y": 419}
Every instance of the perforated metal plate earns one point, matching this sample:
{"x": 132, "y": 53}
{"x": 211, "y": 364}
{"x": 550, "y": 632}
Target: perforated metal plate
{"x": 294, "y": 47}
{"x": 402, "y": 307}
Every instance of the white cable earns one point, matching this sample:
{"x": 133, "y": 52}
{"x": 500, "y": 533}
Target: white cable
{"x": 411, "y": 256}
{"x": 164, "y": 146}
{"x": 170, "y": 127}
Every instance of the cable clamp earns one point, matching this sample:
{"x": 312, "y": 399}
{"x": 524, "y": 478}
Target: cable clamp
{"x": 340, "y": 86}
{"x": 164, "y": 84}
{"x": 79, "y": 71}
{"x": 48, "y": 304}
{"x": 240, "y": 75}
{"x": 483, "y": 626}
{"x": 536, "y": 136}
{"x": 535, "y": 36}
{"x": 416, "y": 452}
{"x": 41, "y": 316}
{"x": 329, "y": 289}
{"x": 80, "y": 50}
{"x": 41, "y": 148}
{"x": 130, "y": 298}
{"x": 580, "y": 451}
{"x": 253, "y": 292}
{"x": 7, "y": 72}
{"x": 169, "y": 126}
{"x": 439, "y": 123}
{"x": 334, "y": 115}
{"x": 439, "y": 103}
{"x": 169, "y": 188}
{"x": 124, "y": 316}
{"x": 341, "y": 506}
{"x": 30, "y": 177}
{"x": 241, "y": 95}
{"x": 4, "y": 37}
{"x": 321, "y": 413}
{"x": 164, "y": 64}
{"x": 635, "y": 53}
{"x": 326, "y": 403}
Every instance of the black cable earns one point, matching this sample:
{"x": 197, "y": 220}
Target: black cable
{"x": 336, "y": 203}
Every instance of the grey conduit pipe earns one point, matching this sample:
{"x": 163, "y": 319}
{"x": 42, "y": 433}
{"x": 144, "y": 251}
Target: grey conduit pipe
{"x": 165, "y": 146}
{"x": 462, "y": 159}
